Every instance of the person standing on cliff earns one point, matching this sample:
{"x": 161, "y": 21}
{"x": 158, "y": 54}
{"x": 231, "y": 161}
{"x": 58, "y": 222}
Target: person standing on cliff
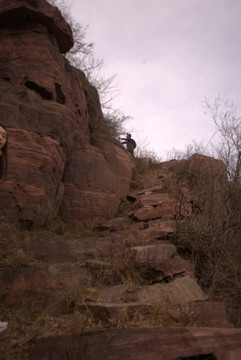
{"x": 3, "y": 153}
{"x": 130, "y": 143}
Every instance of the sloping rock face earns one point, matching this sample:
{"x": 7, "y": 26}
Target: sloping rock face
{"x": 60, "y": 157}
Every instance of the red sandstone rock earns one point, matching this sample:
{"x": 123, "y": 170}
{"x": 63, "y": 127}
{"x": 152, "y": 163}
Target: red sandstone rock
{"x": 153, "y": 199}
{"x": 148, "y": 212}
{"x": 141, "y": 343}
{"x": 17, "y": 11}
{"x": 60, "y": 158}
{"x": 158, "y": 229}
{"x": 171, "y": 267}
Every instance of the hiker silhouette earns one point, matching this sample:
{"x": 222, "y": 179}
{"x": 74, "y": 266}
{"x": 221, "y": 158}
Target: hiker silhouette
{"x": 3, "y": 153}
{"x": 130, "y": 143}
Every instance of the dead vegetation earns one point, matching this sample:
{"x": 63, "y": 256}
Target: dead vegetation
{"x": 210, "y": 236}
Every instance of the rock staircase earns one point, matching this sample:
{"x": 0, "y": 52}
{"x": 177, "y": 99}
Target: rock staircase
{"x": 166, "y": 288}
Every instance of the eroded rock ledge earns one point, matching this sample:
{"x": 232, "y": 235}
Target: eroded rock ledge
{"x": 61, "y": 158}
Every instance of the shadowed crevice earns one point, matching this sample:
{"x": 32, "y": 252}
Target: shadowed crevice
{"x": 60, "y": 97}
{"x": 45, "y": 94}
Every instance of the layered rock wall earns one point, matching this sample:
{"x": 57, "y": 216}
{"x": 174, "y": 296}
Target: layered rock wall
{"x": 60, "y": 157}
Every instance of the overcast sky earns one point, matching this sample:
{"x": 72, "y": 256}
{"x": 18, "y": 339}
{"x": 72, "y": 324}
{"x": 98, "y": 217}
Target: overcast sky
{"x": 168, "y": 55}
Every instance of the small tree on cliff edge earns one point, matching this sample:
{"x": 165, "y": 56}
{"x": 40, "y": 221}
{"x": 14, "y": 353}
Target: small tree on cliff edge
{"x": 82, "y": 57}
{"x": 223, "y": 113}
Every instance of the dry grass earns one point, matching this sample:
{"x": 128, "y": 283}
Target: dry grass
{"x": 25, "y": 327}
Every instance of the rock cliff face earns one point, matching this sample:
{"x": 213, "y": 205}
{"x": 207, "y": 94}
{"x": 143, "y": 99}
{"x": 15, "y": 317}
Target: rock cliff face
{"x": 60, "y": 157}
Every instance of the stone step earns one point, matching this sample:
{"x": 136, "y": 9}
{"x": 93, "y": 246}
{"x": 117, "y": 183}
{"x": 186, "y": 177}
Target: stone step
{"x": 198, "y": 313}
{"x": 141, "y": 343}
{"x": 178, "y": 291}
{"x": 149, "y": 212}
{"x": 159, "y": 229}
{"x": 153, "y": 199}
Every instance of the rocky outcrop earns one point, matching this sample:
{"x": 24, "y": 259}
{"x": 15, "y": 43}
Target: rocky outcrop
{"x": 172, "y": 316}
{"x": 60, "y": 156}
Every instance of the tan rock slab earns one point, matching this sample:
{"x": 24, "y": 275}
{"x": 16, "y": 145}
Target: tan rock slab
{"x": 179, "y": 291}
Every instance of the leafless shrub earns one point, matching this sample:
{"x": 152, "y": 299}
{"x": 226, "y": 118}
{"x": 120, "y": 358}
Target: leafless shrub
{"x": 210, "y": 236}
{"x": 228, "y": 130}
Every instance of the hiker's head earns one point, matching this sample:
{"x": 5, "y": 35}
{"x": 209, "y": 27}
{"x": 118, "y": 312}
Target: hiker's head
{"x": 3, "y": 137}
{"x": 3, "y": 153}
{"x": 128, "y": 135}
